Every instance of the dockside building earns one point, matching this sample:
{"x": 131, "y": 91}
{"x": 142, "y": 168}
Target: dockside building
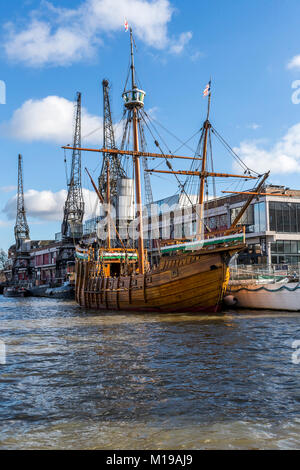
{"x": 272, "y": 223}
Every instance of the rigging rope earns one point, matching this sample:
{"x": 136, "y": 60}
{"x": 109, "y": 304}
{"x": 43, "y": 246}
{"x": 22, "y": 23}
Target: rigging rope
{"x": 234, "y": 154}
{"x": 182, "y": 186}
{"x": 173, "y": 135}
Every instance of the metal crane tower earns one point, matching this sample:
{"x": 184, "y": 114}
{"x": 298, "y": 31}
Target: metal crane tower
{"x": 115, "y": 168}
{"x": 21, "y": 227}
{"x": 74, "y": 205}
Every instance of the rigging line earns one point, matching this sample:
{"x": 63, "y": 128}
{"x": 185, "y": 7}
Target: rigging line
{"x": 93, "y": 171}
{"x": 158, "y": 165}
{"x": 128, "y": 73}
{"x": 161, "y": 177}
{"x": 212, "y": 168}
{"x": 182, "y": 186}
{"x": 232, "y": 151}
{"x": 138, "y": 81}
{"x": 173, "y": 135}
{"x": 147, "y": 181}
{"x": 194, "y": 135}
{"x": 92, "y": 132}
{"x": 190, "y": 180}
{"x": 158, "y": 145}
{"x": 155, "y": 130}
{"x": 227, "y": 146}
{"x": 121, "y": 119}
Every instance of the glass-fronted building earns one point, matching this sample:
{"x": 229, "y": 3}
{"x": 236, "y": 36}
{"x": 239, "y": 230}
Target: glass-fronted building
{"x": 272, "y": 225}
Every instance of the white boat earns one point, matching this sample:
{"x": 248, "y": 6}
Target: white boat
{"x": 270, "y": 289}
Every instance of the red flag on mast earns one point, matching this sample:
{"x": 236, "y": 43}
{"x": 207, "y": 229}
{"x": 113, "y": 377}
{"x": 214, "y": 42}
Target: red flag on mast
{"x": 126, "y": 25}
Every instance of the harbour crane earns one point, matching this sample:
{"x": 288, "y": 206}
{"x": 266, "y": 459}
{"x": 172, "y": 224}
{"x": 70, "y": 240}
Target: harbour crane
{"x": 110, "y": 160}
{"x": 21, "y": 226}
{"x": 74, "y": 205}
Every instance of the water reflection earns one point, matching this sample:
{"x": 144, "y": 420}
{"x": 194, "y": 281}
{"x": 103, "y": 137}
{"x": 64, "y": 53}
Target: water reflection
{"x": 75, "y": 379}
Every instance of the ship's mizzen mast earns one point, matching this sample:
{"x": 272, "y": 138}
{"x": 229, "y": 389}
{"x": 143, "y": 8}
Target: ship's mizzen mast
{"x": 206, "y": 129}
{"x": 21, "y": 227}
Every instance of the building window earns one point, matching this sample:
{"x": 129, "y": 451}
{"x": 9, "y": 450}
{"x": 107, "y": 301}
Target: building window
{"x": 247, "y": 218}
{"x": 285, "y": 251}
{"x": 284, "y": 217}
{"x": 217, "y": 222}
{"x": 260, "y": 217}
{"x": 254, "y": 218}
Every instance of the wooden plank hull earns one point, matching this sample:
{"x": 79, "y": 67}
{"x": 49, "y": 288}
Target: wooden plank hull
{"x": 189, "y": 282}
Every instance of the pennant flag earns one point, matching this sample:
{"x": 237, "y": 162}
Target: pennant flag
{"x": 126, "y": 25}
{"x": 206, "y": 90}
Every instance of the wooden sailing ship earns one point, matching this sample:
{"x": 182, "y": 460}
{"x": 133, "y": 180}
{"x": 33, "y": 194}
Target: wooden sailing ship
{"x": 189, "y": 277}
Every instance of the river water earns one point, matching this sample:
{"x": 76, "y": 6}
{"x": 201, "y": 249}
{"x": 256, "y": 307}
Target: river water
{"x": 76, "y": 380}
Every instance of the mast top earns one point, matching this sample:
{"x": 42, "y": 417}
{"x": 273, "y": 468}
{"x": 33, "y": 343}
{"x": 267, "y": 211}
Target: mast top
{"x": 132, "y": 61}
{"x": 207, "y": 92}
{"x": 133, "y": 98}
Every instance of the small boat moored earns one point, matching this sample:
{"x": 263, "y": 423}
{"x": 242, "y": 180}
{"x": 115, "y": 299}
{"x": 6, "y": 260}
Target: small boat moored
{"x": 15, "y": 292}
{"x": 65, "y": 291}
{"x": 269, "y": 288}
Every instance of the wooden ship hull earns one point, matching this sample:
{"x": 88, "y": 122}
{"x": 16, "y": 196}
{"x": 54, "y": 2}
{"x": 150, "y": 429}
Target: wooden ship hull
{"x": 193, "y": 282}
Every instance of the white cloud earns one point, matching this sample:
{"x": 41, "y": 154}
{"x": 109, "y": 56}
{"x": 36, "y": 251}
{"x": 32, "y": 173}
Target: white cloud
{"x": 178, "y": 46}
{"x": 294, "y": 63}
{"x": 8, "y": 189}
{"x": 44, "y": 205}
{"x": 253, "y": 126}
{"x": 51, "y": 119}
{"x": 39, "y": 44}
{"x": 60, "y": 36}
{"x": 197, "y": 55}
{"x": 5, "y": 223}
{"x": 283, "y": 157}
{"x": 48, "y": 205}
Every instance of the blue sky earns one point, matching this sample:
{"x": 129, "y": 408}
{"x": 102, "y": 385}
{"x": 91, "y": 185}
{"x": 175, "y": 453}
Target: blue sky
{"x": 250, "y": 48}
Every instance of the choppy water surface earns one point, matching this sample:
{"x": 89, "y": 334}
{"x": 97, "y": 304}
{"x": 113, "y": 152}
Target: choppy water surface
{"x": 75, "y": 379}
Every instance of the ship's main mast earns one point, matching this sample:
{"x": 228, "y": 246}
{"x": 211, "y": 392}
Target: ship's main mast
{"x": 134, "y": 100}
